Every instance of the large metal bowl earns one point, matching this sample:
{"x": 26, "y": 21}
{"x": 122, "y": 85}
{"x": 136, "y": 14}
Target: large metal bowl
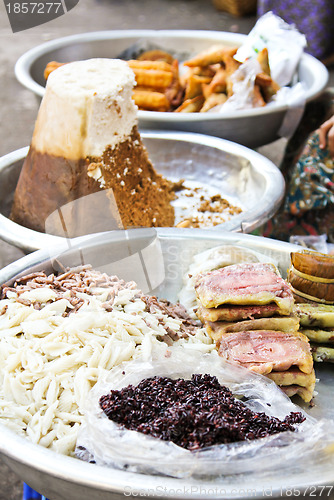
{"x": 251, "y": 127}
{"x": 66, "y": 478}
{"x": 242, "y": 175}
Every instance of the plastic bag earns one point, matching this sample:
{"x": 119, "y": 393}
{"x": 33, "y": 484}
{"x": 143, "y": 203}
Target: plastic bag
{"x": 285, "y": 47}
{"x": 243, "y": 80}
{"x": 284, "y": 42}
{"x": 314, "y": 242}
{"x": 106, "y": 443}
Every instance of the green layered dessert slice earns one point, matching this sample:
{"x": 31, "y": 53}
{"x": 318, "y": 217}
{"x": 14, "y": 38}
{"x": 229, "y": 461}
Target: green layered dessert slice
{"x": 315, "y": 315}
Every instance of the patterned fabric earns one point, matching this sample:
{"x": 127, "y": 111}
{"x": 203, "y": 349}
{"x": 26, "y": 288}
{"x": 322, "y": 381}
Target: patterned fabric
{"x": 308, "y": 207}
{"x": 311, "y": 185}
{"x": 313, "y": 18}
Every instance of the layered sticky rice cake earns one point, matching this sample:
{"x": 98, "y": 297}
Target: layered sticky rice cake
{"x": 311, "y": 277}
{"x": 283, "y": 357}
{"x": 317, "y": 323}
{"x": 245, "y": 297}
{"x": 244, "y": 284}
{"x": 248, "y": 309}
{"x": 86, "y": 140}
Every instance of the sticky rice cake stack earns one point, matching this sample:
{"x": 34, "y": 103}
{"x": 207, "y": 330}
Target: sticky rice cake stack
{"x": 311, "y": 276}
{"x": 248, "y": 310}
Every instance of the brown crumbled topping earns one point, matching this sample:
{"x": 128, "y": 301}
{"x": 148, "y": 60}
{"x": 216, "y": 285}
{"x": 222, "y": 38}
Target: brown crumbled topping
{"x": 82, "y": 279}
{"x": 206, "y": 210}
{"x": 85, "y": 280}
{"x": 177, "y": 311}
{"x": 127, "y": 168}
{"x": 3, "y": 310}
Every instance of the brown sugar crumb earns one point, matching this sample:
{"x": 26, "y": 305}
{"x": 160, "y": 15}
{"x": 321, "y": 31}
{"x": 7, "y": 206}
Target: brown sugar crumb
{"x": 143, "y": 196}
{"x": 217, "y": 204}
{"x": 205, "y": 210}
{"x": 147, "y": 199}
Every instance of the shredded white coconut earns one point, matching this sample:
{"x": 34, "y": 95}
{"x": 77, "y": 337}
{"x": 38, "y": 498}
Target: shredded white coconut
{"x": 54, "y": 346}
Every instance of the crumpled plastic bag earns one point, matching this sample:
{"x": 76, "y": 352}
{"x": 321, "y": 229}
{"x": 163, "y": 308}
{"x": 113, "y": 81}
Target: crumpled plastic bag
{"x": 243, "y": 80}
{"x": 284, "y": 42}
{"x": 285, "y": 47}
{"x": 102, "y": 441}
{"x": 314, "y": 242}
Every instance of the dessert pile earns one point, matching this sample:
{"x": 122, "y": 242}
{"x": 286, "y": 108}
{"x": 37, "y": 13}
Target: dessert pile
{"x": 248, "y": 309}
{"x": 193, "y": 414}
{"x": 60, "y": 334}
{"x": 311, "y": 276}
{"x": 86, "y": 141}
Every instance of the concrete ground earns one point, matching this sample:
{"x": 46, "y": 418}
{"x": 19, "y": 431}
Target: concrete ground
{"x": 19, "y": 107}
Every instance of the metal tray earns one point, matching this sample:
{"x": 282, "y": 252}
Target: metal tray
{"x": 66, "y": 478}
{"x": 243, "y": 176}
{"x": 250, "y": 127}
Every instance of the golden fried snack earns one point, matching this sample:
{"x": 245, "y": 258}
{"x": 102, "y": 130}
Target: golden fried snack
{"x": 51, "y": 66}
{"x": 156, "y": 55}
{"x": 257, "y": 100}
{"x": 153, "y": 78}
{"x": 151, "y": 100}
{"x": 217, "y": 84}
{"x": 212, "y": 101}
{"x": 213, "y": 55}
{"x": 186, "y": 76}
{"x": 231, "y": 65}
{"x": 158, "y": 65}
{"x": 263, "y": 80}
{"x": 268, "y": 87}
{"x": 174, "y": 92}
{"x": 191, "y": 105}
{"x": 263, "y": 59}
{"x": 269, "y": 91}
{"x": 209, "y": 71}
{"x": 194, "y": 86}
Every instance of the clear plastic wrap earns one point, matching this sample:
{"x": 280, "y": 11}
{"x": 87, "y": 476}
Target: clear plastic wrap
{"x": 314, "y": 242}
{"x": 285, "y": 47}
{"x": 243, "y": 80}
{"x": 284, "y": 42}
{"x": 102, "y": 441}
